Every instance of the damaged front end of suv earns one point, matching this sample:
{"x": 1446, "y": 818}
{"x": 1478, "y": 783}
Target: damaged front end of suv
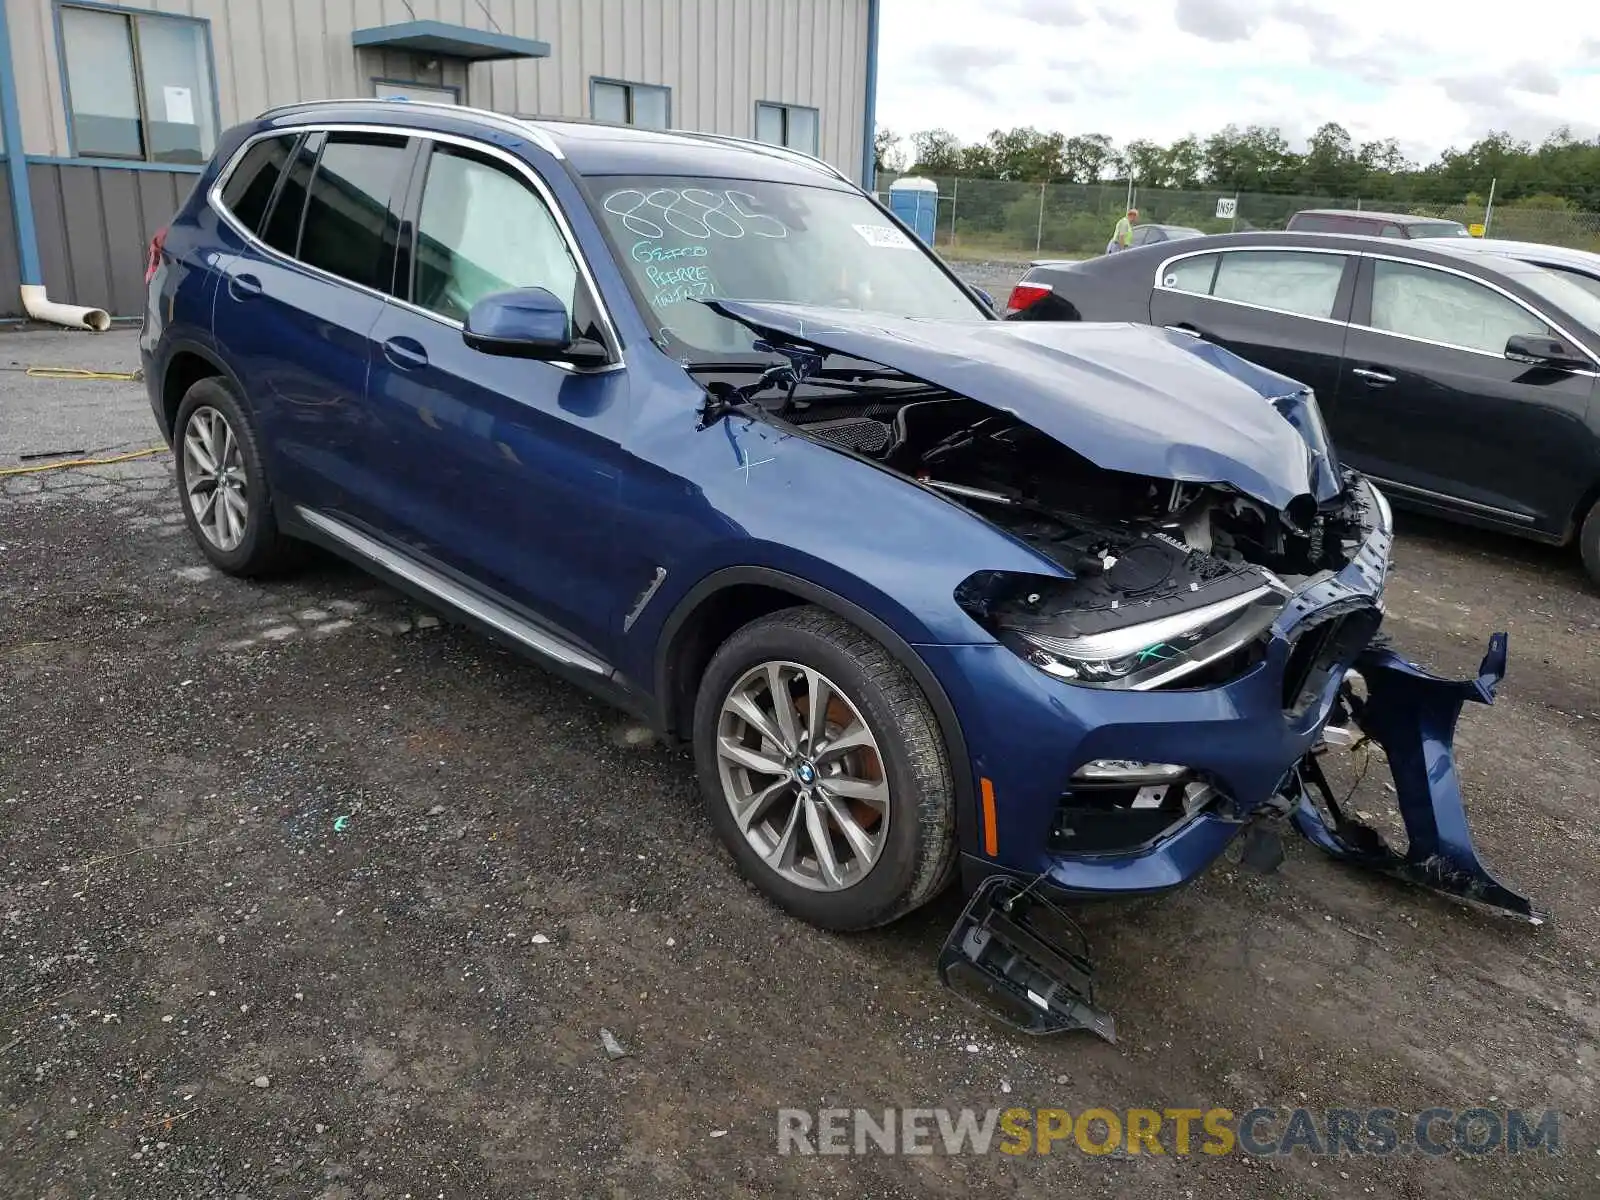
{"x": 1202, "y": 627}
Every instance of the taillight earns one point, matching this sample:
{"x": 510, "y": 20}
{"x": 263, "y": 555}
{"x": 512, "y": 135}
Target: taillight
{"x": 153, "y": 255}
{"x": 1026, "y": 295}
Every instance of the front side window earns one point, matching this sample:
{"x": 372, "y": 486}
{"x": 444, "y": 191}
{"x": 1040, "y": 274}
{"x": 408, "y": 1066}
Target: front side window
{"x": 643, "y": 104}
{"x": 1288, "y": 280}
{"x": 789, "y": 125}
{"x": 252, "y": 180}
{"x": 482, "y": 230}
{"x": 1439, "y": 307}
{"x": 138, "y": 85}
{"x": 681, "y": 240}
{"x": 350, "y": 226}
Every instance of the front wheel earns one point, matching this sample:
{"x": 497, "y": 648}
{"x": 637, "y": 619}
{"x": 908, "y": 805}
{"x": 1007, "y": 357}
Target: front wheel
{"x": 824, "y": 772}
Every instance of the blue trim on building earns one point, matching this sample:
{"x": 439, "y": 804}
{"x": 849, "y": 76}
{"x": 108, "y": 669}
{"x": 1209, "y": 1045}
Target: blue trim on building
{"x": 630, "y": 85}
{"x": 869, "y": 132}
{"x": 455, "y": 41}
{"x": 17, "y": 162}
{"x": 138, "y": 82}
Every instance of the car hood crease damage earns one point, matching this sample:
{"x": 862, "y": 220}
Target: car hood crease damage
{"x": 1127, "y": 397}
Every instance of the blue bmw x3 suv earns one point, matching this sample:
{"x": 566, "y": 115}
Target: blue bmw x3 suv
{"x": 697, "y": 424}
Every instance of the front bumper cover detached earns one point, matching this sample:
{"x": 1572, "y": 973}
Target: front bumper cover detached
{"x": 1022, "y": 960}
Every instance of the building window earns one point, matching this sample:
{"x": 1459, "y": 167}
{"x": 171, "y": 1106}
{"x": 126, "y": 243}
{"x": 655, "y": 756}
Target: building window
{"x": 787, "y": 125}
{"x": 642, "y": 104}
{"x": 138, "y": 86}
{"x": 398, "y": 89}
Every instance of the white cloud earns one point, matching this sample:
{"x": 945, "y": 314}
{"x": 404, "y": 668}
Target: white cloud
{"x": 1430, "y": 73}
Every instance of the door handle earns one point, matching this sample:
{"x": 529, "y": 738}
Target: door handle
{"x": 1373, "y": 378}
{"x": 244, "y": 287}
{"x": 405, "y": 353}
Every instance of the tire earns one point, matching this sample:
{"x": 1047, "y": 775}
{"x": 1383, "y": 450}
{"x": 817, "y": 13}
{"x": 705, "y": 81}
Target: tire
{"x": 912, "y": 838}
{"x": 251, "y": 546}
{"x": 1589, "y": 543}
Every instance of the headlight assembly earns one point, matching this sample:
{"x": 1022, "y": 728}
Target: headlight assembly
{"x": 1144, "y": 654}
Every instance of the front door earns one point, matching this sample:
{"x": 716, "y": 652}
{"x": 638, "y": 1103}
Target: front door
{"x": 507, "y": 469}
{"x": 1281, "y": 309}
{"x": 1430, "y": 402}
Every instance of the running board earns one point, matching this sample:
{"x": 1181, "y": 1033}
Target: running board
{"x": 1019, "y": 958}
{"x": 449, "y": 592}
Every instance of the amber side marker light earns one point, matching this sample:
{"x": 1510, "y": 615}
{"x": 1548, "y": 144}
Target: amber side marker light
{"x": 991, "y": 833}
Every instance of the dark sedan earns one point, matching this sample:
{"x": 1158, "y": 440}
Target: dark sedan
{"x": 1463, "y": 382}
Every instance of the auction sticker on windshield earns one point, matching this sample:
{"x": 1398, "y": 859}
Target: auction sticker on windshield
{"x": 884, "y": 236}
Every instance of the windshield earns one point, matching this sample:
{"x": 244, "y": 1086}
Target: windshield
{"x": 1577, "y": 278}
{"x": 1577, "y": 298}
{"x": 686, "y": 239}
{"x": 1433, "y": 229}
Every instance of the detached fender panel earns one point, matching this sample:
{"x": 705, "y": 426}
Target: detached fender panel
{"x": 1412, "y": 714}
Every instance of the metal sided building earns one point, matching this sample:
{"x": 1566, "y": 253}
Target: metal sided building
{"x": 108, "y": 110}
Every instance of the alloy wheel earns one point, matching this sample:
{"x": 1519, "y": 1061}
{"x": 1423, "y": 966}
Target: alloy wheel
{"x": 803, "y": 776}
{"x": 214, "y": 476}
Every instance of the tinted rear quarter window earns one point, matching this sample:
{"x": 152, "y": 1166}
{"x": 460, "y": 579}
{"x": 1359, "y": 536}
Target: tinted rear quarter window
{"x": 350, "y": 226}
{"x": 249, "y": 188}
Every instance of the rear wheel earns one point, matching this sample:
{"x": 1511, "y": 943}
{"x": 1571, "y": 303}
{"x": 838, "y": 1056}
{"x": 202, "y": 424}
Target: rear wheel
{"x": 1589, "y": 543}
{"x": 222, "y": 483}
{"x": 824, "y": 772}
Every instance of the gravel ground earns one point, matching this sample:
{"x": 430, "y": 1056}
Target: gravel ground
{"x": 303, "y": 893}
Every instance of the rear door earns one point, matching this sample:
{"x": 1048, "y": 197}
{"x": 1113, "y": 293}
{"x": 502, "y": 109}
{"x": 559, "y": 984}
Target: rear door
{"x": 1283, "y": 309}
{"x": 298, "y": 302}
{"x": 1429, "y": 401}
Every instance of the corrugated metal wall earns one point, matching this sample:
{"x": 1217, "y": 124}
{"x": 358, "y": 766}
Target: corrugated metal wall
{"x": 718, "y": 56}
{"x": 94, "y": 224}
{"x": 10, "y": 269}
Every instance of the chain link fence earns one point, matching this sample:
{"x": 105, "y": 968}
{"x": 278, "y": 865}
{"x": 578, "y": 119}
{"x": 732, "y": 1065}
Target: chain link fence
{"x": 1001, "y": 219}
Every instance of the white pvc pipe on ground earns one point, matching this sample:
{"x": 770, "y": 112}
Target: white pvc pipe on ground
{"x": 41, "y": 308}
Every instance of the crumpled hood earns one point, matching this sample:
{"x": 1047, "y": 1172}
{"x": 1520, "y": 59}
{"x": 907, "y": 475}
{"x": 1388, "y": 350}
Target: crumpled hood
{"x": 1127, "y": 397}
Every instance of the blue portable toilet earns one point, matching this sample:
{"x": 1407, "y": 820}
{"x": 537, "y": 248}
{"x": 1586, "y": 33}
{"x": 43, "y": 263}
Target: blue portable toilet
{"x": 916, "y": 202}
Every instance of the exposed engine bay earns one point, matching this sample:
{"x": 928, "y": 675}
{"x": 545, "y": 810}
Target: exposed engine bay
{"x": 1193, "y": 572}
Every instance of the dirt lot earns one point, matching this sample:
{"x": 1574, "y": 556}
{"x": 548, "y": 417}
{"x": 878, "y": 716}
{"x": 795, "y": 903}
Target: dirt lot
{"x": 302, "y": 894}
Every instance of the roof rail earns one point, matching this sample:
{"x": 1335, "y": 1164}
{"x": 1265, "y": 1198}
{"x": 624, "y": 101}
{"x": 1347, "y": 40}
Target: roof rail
{"x": 501, "y": 121}
{"x": 786, "y": 152}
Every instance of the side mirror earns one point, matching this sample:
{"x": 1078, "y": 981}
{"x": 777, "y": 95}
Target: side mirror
{"x": 985, "y": 297}
{"x": 1544, "y": 352}
{"x": 529, "y": 323}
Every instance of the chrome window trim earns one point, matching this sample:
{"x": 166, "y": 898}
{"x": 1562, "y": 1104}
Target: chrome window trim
{"x": 1282, "y": 312}
{"x": 452, "y": 593}
{"x": 1412, "y": 489}
{"x": 214, "y": 199}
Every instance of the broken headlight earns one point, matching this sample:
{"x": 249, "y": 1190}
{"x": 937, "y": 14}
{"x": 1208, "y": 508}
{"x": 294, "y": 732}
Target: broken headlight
{"x": 1146, "y": 653}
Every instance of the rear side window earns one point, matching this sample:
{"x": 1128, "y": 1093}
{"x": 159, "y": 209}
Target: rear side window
{"x": 249, "y": 188}
{"x": 350, "y": 225}
{"x": 1288, "y": 280}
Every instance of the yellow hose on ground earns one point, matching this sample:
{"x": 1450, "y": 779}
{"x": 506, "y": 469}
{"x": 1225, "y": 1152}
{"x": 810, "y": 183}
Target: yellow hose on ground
{"x": 84, "y": 462}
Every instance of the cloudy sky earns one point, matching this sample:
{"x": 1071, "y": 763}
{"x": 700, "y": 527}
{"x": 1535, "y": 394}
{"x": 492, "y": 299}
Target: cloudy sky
{"x": 1429, "y": 73}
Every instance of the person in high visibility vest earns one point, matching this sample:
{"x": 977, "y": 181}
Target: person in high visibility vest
{"x": 1122, "y": 236}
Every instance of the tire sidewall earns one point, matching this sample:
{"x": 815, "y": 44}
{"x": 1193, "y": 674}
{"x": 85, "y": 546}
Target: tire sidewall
{"x": 880, "y": 894}
{"x": 1589, "y": 544}
{"x": 259, "y": 529}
